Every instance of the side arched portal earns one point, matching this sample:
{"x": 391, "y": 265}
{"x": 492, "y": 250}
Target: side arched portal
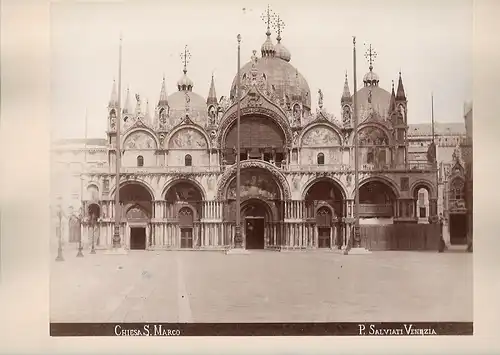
{"x": 184, "y": 205}
{"x": 457, "y": 212}
{"x": 74, "y": 229}
{"x": 377, "y": 201}
{"x": 94, "y": 213}
{"x": 325, "y": 202}
{"x": 137, "y": 211}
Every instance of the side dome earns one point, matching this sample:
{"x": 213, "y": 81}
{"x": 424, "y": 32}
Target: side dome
{"x": 282, "y": 79}
{"x": 372, "y": 98}
{"x": 178, "y": 101}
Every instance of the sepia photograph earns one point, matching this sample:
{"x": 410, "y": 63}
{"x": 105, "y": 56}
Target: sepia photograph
{"x": 263, "y": 168}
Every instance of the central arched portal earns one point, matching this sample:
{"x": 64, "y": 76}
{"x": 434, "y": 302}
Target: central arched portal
{"x": 261, "y": 207}
{"x": 255, "y": 213}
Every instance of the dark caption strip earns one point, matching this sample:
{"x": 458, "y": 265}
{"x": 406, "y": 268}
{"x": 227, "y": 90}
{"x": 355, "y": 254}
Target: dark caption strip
{"x": 262, "y": 329}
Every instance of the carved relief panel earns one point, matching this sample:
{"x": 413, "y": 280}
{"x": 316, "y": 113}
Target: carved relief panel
{"x": 320, "y": 136}
{"x": 188, "y": 139}
{"x": 139, "y": 140}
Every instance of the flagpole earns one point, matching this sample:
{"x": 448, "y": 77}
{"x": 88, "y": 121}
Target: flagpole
{"x": 238, "y": 242}
{"x": 434, "y": 150}
{"x": 84, "y": 165}
{"x": 357, "y": 239}
{"x": 116, "y": 235}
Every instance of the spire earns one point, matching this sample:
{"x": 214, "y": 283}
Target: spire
{"x": 113, "y": 100}
{"x": 392, "y": 105}
{"x": 280, "y": 50}
{"x": 401, "y": 90}
{"x": 346, "y": 94}
{"x": 267, "y": 48}
{"x": 212, "y": 96}
{"x": 163, "y": 94}
{"x": 278, "y": 25}
{"x": 184, "y": 83}
{"x": 147, "y": 117}
{"x": 138, "y": 110}
{"x": 126, "y": 107}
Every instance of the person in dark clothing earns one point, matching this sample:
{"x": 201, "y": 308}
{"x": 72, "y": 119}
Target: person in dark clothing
{"x": 442, "y": 244}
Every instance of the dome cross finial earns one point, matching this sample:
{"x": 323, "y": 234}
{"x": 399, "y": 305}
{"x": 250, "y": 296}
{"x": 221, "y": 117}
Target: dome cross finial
{"x": 185, "y": 57}
{"x": 278, "y": 25}
{"x": 266, "y": 17}
{"x": 370, "y": 55}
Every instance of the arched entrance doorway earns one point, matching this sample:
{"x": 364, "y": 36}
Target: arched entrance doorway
{"x": 421, "y": 210}
{"x": 261, "y": 207}
{"x": 255, "y": 214}
{"x": 74, "y": 229}
{"x": 94, "y": 212}
{"x": 457, "y": 212}
{"x": 137, "y": 209}
{"x": 184, "y": 204}
{"x": 325, "y": 203}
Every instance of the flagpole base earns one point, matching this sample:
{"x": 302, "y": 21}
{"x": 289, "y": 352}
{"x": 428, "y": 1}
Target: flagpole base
{"x": 236, "y": 251}
{"x": 116, "y": 251}
{"x": 357, "y": 251}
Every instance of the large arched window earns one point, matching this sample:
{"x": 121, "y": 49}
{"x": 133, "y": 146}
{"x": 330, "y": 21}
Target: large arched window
{"x": 188, "y": 160}
{"x": 457, "y": 190}
{"x": 321, "y": 159}
{"x": 140, "y": 160}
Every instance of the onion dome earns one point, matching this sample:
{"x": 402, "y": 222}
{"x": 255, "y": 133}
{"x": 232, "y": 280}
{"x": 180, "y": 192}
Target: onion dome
{"x": 267, "y": 48}
{"x": 281, "y": 52}
{"x": 184, "y": 83}
{"x": 371, "y": 78}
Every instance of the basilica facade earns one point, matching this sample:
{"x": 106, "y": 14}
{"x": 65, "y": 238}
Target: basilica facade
{"x": 178, "y": 178}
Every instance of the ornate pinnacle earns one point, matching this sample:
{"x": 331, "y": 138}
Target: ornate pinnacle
{"x": 278, "y": 25}
{"x": 185, "y": 56}
{"x": 370, "y": 56}
{"x": 266, "y": 17}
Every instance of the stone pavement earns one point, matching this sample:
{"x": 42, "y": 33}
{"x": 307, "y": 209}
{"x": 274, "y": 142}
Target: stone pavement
{"x": 264, "y": 286}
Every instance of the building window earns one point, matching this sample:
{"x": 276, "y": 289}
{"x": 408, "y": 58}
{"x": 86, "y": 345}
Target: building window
{"x": 423, "y": 212}
{"x": 140, "y": 160}
{"x": 188, "y": 160}
{"x": 321, "y": 159}
{"x": 421, "y": 197}
{"x": 382, "y": 157}
{"x": 457, "y": 190}
{"x": 369, "y": 158}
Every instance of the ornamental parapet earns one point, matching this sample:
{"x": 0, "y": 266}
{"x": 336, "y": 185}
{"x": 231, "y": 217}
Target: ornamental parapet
{"x": 157, "y": 170}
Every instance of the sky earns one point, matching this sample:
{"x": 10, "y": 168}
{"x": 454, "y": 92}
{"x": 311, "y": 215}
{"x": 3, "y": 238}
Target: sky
{"x": 429, "y": 41}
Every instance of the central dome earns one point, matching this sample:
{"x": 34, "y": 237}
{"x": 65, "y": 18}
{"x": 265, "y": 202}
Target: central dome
{"x": 282, "y": 78}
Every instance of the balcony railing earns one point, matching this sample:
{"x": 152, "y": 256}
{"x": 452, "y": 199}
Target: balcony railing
{"x": 156, "y": 169}
{"x": 411, "y": 167}
{"x": 375, "y": 210}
